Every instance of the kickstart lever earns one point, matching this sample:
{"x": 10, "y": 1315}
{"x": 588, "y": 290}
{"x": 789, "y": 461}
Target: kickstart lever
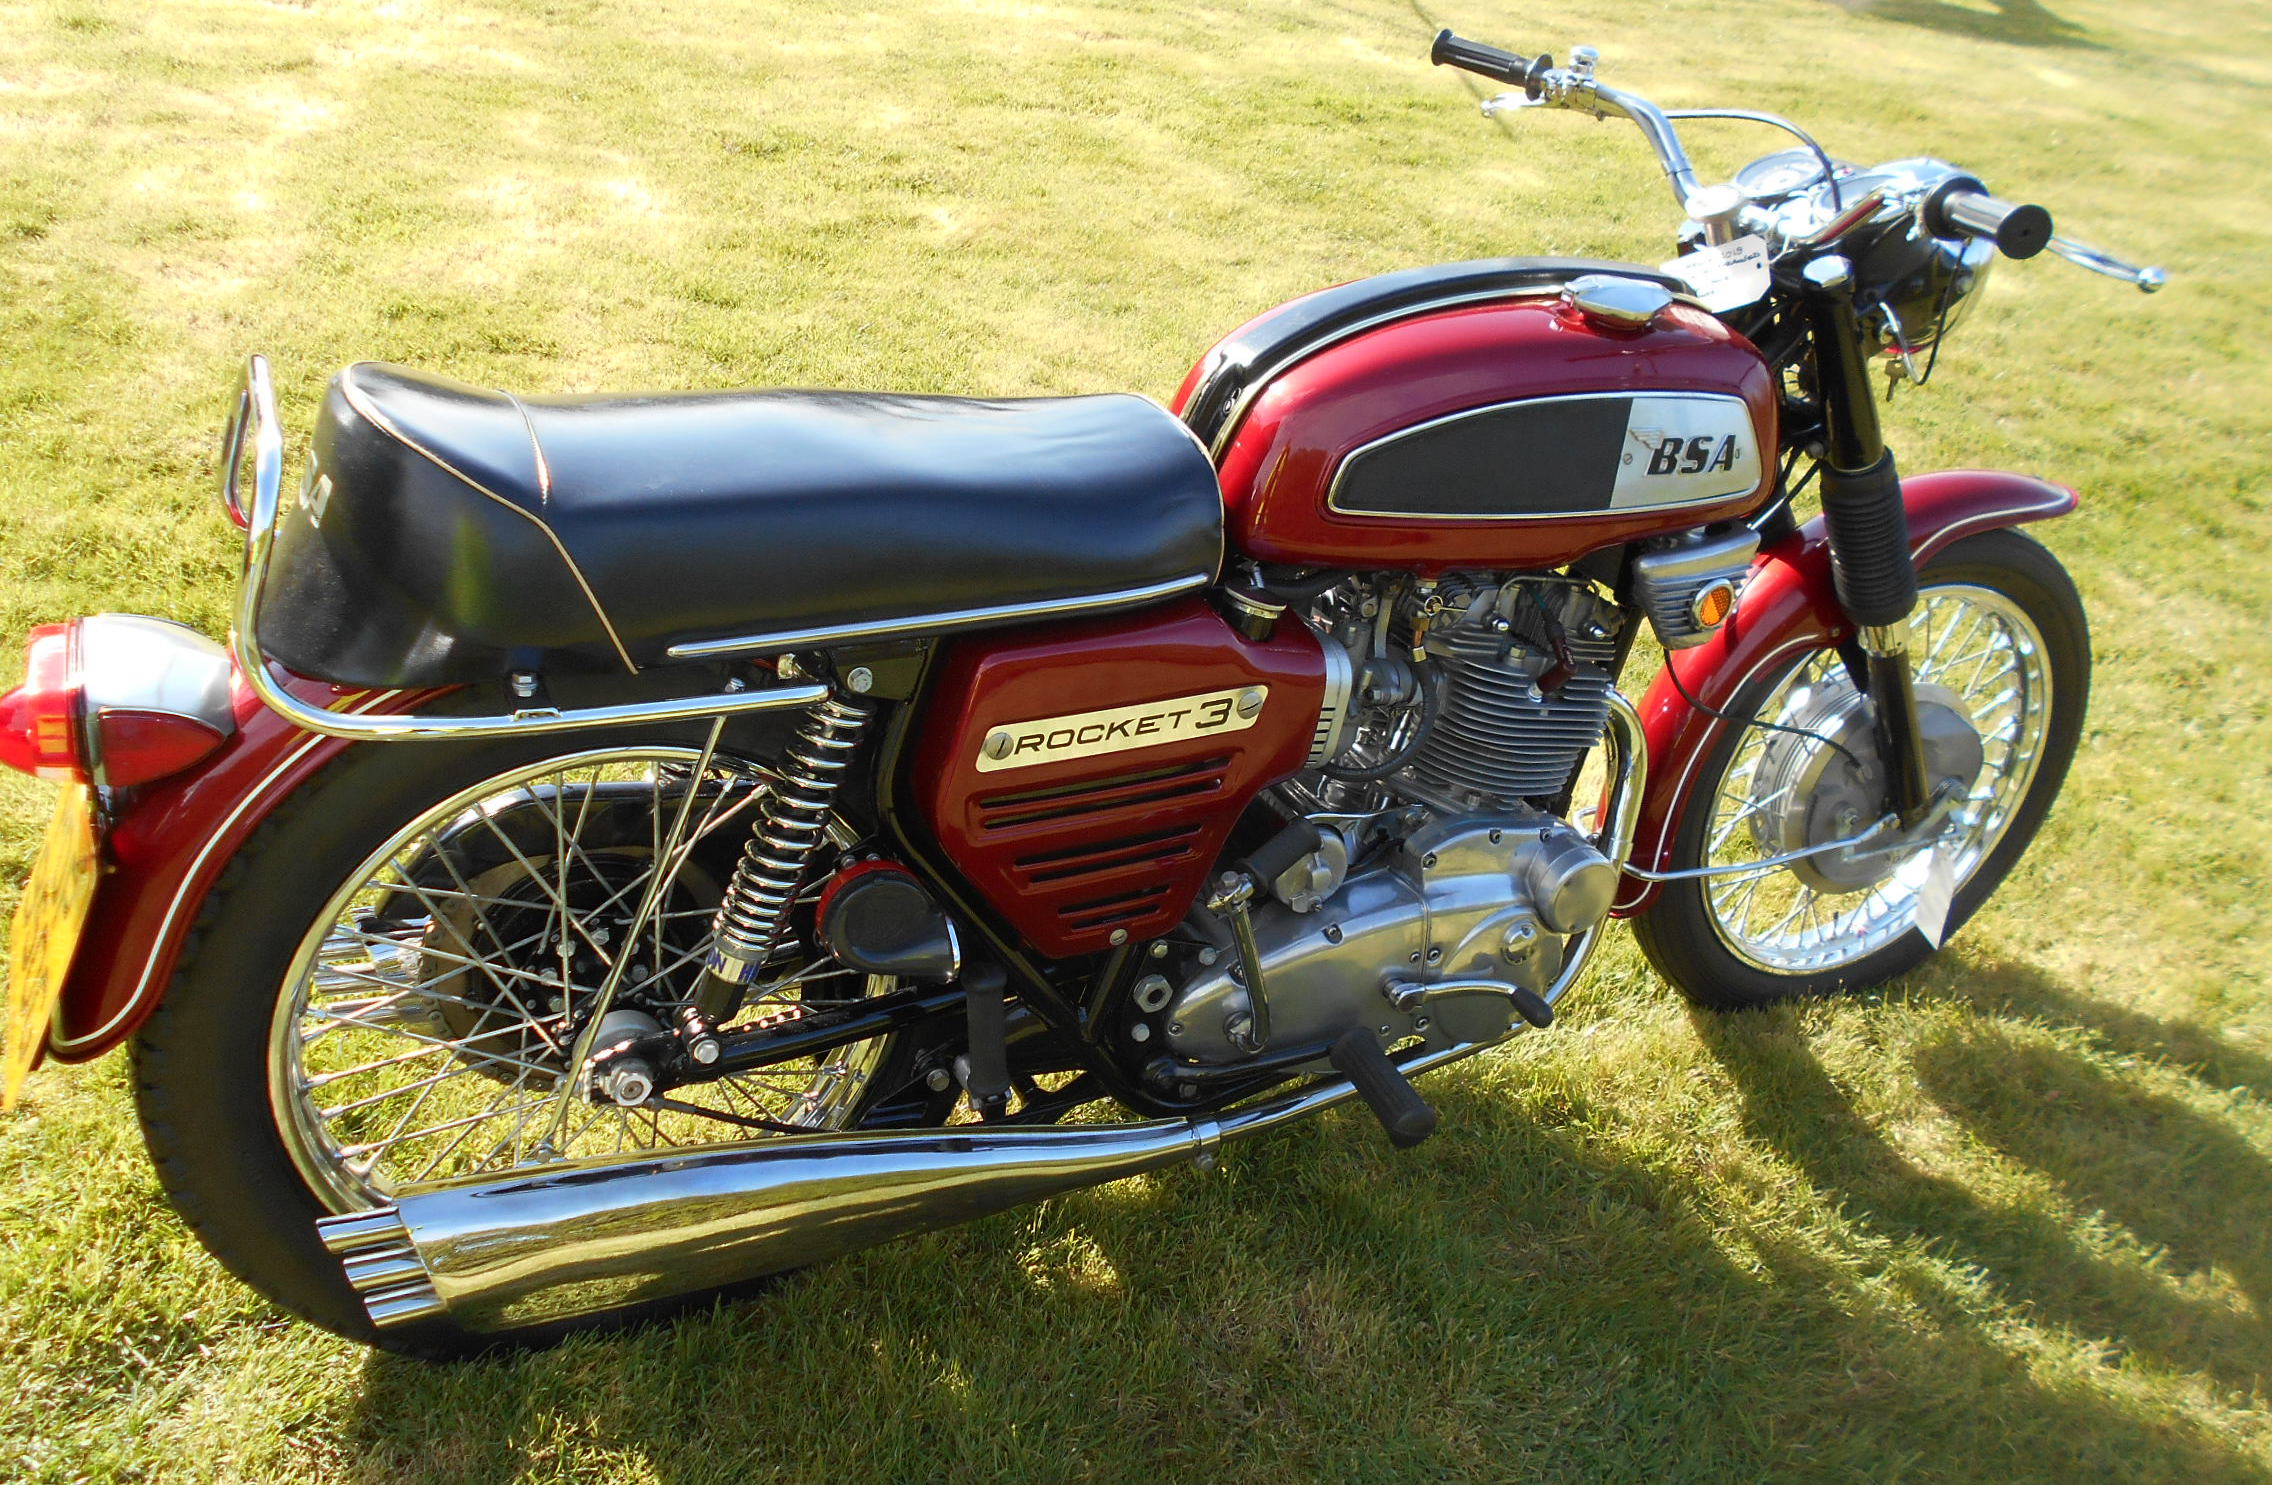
{"x": 1233, "y": 891}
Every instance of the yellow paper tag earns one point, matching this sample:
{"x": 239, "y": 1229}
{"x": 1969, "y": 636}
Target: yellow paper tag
{"x": 56, "y": 898}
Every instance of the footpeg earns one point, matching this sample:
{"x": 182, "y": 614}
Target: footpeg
{"x": 985, "y": 1068}
{"x": 1405, "y": 1116}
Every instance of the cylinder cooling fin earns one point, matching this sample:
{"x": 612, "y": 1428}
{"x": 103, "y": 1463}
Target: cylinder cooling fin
{"x": 1470, "y": 690}
{"x": 1528, "y": 669}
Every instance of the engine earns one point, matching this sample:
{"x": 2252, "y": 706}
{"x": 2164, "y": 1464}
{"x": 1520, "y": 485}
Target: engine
{"x": 1445, "y": 883}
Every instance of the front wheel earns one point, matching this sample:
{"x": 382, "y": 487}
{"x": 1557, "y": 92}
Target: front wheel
{"x": 2001, "y": 658}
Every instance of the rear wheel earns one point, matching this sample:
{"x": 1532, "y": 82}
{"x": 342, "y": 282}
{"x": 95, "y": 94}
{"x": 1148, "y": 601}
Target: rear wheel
{"x": 384, "y": 992}
{"x": 2001, "y": 656}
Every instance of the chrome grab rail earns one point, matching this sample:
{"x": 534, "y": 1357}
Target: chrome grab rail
{"x": 255, "y": 418}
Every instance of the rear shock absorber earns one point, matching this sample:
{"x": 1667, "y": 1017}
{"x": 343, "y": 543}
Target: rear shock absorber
{"x": 794, "y": 817}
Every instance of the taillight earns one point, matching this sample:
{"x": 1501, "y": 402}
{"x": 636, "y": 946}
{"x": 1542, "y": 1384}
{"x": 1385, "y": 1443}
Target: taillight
{"x": 117, "y": 700}
{"x": 137, "y": 747}
{"x": 39, "y": 720}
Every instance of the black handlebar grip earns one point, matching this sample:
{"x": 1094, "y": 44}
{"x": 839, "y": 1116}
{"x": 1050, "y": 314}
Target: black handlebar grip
{"x": 1962, "y": 207}
{"x": 1488, "y": 61}
{"x": 1271, "y": 859}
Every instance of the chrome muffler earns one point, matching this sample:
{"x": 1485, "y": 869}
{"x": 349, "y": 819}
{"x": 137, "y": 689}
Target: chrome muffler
{"x": 575, "y": 1240}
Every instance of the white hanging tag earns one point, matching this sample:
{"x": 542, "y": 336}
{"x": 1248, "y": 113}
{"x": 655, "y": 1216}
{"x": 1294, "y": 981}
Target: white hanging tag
{"x": 1933, "y": 898}
{"x": 1725, "y": 276}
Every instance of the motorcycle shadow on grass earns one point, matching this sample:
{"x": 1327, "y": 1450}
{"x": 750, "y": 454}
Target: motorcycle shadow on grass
{"x": 2154, "y": 1203}
{"x": 2013, "y": 22}
{"x": 1533, "y": 1294}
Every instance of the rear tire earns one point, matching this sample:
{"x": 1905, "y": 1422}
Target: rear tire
{"x": 1686, "y": 931}
{"x": 203, "y": 1062}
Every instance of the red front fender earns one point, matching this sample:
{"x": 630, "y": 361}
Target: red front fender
{"x": 165, "y": 848}
{"x": 1789, "y": 608}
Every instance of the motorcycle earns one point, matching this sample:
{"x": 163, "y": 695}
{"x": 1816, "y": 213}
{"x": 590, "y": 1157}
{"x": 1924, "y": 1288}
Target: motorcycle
{"x": 631, "y": 847}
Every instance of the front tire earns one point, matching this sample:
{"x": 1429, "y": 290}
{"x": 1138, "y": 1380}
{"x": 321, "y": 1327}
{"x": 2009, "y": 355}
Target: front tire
{"x": 1999, "y": 627}
{"x": 335, "y": 998}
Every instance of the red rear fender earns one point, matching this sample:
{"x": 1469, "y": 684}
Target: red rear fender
{"x": 168, "y": 844}
{"x": 1789, "y": 608}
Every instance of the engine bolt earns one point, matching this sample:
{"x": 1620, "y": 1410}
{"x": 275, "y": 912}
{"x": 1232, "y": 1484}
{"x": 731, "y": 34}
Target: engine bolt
{"x": 938, "y": 1079}
{"x": 1208, "y": 957}
{"x": 1160, "y": 949}
{"x": 1119, "y": 937}
{"x": 1140, "y": 1032}
{"x": 1496, "y": 835}
{"x": 1175, "y": 1028}
{"x": 1250, "y": 701}
{"x": 1333, "y": 933}
{"x": 1429, "y": 859}
{"x": 860, "y": 679}
{"x": 1419, "y": 1023}
{"x": 1435, "y": 955}
{"x": 1415, "y": 956}
{"x": 999, "y": 742}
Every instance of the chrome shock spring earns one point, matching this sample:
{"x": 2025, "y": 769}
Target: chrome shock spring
{"x": 755, "y": 908}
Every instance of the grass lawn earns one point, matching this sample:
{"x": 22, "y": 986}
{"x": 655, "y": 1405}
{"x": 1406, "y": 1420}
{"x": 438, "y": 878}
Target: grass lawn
{"x": 2010, "y": 1221}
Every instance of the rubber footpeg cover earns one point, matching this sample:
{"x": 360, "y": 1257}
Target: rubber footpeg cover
{"x": 1405, "y": 1116}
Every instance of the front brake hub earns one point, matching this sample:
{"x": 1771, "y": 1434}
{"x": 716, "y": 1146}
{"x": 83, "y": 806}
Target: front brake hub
{"x": 1806, "y": 793}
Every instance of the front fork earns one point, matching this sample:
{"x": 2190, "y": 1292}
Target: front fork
{"x": 1870, "y": 559}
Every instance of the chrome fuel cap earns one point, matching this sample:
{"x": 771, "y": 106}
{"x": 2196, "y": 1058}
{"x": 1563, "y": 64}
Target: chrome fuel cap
{"x": 1626, "y": 303}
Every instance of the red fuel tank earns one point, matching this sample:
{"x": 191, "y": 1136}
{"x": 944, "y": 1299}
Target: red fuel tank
{"x": 1085, "y": 776}
{"x": 1515, "y": 434}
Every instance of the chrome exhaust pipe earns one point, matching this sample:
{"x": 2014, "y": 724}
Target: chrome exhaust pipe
{"x": 575, "y": 1240}
{"x": 570, "y": 1240}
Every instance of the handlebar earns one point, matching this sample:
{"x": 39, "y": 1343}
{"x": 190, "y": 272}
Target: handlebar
{"x": 1962, "y": 207}
{"x": 1959, "y": 206}
{"x": 1511, "y": 68}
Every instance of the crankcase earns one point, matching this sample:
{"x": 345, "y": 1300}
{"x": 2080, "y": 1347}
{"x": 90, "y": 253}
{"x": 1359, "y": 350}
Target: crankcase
{"x": 1480, "y": 897}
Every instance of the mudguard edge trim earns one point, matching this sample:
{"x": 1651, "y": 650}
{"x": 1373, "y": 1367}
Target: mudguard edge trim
{"x": 1793, "y": 608}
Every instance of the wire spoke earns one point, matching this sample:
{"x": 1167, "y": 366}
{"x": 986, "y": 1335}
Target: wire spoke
{"x": 1974, "y": 643}
{"x": 443, "y": 1040}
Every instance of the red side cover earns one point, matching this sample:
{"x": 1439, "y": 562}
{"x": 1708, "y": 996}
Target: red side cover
{"x": 1079, "y": 853}
{"x": 1790, "y": 608}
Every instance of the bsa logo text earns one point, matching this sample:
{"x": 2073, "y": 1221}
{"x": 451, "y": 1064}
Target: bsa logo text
{"x": 1692, "y": 455}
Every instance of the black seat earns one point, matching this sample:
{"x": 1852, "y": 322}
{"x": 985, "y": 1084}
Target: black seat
{"x": 448, "y": 534}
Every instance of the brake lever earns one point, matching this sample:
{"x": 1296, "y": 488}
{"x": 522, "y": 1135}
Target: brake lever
{"x": 1505, "y": 102}
{"x": 2148, "y": 280}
